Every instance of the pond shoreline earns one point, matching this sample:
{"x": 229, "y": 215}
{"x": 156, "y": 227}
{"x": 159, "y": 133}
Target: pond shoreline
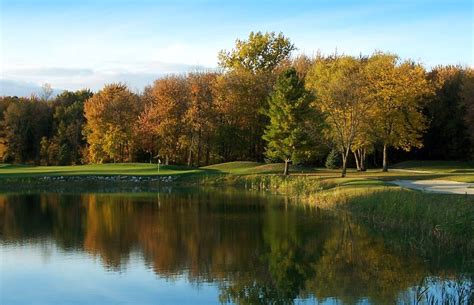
{"x": 446, "y": 220}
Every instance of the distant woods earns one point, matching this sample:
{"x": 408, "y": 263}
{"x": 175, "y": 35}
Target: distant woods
{"x": 263, "y": 104}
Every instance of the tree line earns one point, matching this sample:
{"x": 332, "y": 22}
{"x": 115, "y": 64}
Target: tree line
{"x": 262, "y": 104}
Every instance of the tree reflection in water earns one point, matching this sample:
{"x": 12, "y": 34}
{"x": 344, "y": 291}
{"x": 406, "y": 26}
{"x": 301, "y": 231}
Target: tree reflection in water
{"x": 257, "y": 249}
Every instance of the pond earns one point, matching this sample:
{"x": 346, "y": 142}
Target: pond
{"x": 205, "y": 246}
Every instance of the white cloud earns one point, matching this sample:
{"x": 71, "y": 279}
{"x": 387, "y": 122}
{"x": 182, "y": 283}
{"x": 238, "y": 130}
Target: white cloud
{"x": 19, "y": 88}
{"x": 47, "y": 72}
{"x": 25, "y": 80}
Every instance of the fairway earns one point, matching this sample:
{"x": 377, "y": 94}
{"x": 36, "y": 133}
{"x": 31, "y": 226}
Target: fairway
{"x": 461, "y": 172}
{"x": 128, "y": 169}
{"x": 436, "y": 166}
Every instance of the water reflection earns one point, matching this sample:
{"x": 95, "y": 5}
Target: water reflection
{"x": 253, "y": 249}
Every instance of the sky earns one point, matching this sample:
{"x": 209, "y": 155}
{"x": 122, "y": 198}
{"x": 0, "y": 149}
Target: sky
{"x": 85, "y": 43}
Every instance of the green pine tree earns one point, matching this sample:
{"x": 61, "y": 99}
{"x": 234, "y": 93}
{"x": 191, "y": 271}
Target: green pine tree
{"x": 289, "y": 113}
{"x": 333, "y": 160}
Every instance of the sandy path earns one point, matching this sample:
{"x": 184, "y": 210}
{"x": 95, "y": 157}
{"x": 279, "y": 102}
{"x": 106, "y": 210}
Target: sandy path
{"x": 437, "y": 186}
{"x": 410, "y": 171}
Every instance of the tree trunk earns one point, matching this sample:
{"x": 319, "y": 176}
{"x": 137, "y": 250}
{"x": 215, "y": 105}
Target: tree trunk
{"x": 344, "y": 164}
{"x": 198, "y": 154}
{"x": 384, "y": 163}
{"x": 208, "y": 151}
{"x": 286, "y": 172}
{"x": 190, "y": 156}
{"x": 167, "y": 160}
{"x": 362, "y": 159}
{"x": 190, "y": 151}
{"x": 357, "y": 160}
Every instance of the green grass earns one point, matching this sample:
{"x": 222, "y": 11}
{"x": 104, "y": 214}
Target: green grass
{"x": 446, "y": 170}
{"x": 423, "y": 222}
{"x": 437, "y": 166}
{"x": 128, "y": 169}
{"x": 251, "y": 168}
{"x": 456, "y": 171}
{"x": 233, "y": 167}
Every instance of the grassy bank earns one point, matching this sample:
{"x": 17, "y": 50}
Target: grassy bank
{"x": 433, "y": 225}
{"x": 423, "y": 222}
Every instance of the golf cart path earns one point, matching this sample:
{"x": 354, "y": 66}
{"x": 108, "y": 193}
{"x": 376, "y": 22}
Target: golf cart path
{"x": 437, "y": 186}
{"x": 411, "y": 171}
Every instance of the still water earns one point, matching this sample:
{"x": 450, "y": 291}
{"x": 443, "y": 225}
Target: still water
{"x": 205, "y": 247}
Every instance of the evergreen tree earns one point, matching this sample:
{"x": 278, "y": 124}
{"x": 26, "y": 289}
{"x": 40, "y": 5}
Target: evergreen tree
{"x": 332, "y": 160}
{"x": 288, "y": 111}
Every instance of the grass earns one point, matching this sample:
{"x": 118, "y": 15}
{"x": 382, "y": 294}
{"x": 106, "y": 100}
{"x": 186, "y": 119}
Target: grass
{"x": 251, "y": 168}
{"x": 437, "y": 166}
{"x": 233, "y": 167}
{"x": 419, "y": 219}
{"x": 449, "y": 170}
{"x": 433, "y": 225}
{"x": 126, "y": 169}
{"x": 456, "y": 171}
{"x": 436, "y": 226}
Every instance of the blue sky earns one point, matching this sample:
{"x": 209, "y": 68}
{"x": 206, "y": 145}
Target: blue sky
{"x": 77, "y": 44}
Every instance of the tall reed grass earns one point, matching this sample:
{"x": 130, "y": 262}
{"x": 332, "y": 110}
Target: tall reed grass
{"x": 420, "y": 221}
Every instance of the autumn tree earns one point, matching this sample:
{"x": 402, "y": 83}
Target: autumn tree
{"x": 245, "y": 87}
{"x": 25, "y": 122}
{"x": 302, "y": 63}
{"x": 363, "y": 144}
{"x": 261, "y": 52}
{"x": 447, "y": 131}
{"x": 288, "y": 112}
{"x": 163, "y": 119}
{"x": 5, "y": 101}
{"x": 396, "y": 88}
{"x": 240, "y": 95}
{"x": 67, "y": 142}
{"x": 144, "y": 129}
{"x": 339, "y": 86}
{"x": 467, "y": 95}
{"x": 111, "y": 115}
{"x": 200, "y": 116}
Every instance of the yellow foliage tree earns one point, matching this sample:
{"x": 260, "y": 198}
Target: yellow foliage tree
{"x": 339, "y": 86}
{"x": 111, "y": 114}
{"x": 397, "y": 90}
